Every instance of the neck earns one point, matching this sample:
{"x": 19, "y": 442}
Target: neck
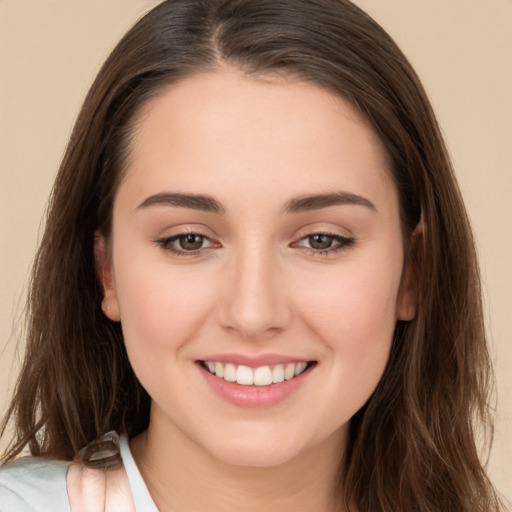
{"x": 182, "y": 477}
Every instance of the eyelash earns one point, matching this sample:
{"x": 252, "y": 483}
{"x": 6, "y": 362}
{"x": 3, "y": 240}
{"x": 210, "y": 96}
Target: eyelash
{"x": 342, "y": 242}
{"x": 339, "y": 243}
{"x": 166, "y": 244}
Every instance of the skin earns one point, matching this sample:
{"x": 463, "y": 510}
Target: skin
{"x": 256, "y": 286}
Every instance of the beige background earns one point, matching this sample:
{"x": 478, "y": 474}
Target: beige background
{"x": 50, "y": 51}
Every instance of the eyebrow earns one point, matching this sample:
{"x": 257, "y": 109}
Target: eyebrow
{"x": 207, "y": 203}
{"x": 201, "y": 202}
{"x": 319, "y": 201}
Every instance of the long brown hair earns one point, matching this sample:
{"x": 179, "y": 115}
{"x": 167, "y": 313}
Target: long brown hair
{"x": 412, "y": 446}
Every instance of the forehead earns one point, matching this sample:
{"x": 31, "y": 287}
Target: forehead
{"x": 255, "y": 134}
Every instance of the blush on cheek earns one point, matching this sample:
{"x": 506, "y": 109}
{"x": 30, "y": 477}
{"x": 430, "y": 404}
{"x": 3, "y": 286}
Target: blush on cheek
{"x": 361, "y": 304}
{"x": 161, "y": 321}
{"x": 358, "y": 329}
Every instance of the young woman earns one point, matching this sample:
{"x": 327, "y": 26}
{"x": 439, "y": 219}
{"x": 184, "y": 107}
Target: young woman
{"x": 257, "y": 287}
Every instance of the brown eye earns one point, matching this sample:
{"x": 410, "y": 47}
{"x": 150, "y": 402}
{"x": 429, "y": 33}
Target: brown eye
{"x": 191, "y": 242}
{"x": 324, "y": 244}
{"x": 187, "y": 244}
{"x": 320, "y": 242}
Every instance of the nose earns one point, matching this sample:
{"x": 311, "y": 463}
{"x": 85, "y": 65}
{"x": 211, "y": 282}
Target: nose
{"x": 254, "y": 303}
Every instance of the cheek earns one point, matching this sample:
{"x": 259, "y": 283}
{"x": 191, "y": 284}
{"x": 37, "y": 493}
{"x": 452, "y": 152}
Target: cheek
{"x": 354, "y": 316}
{"x": 356, "y": 303}
{"x": 161, "y": 306}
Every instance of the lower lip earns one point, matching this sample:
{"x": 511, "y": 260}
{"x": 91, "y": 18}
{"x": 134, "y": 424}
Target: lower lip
{"x": 254, "y": 396}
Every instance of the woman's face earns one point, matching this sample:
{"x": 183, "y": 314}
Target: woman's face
{"x": 256, "y": 234}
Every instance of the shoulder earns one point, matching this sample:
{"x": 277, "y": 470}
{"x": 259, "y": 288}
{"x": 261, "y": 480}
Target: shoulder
{"x": 34, "y": 484}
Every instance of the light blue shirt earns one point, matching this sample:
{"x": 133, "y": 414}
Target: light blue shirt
{"x": 36, "y": 484}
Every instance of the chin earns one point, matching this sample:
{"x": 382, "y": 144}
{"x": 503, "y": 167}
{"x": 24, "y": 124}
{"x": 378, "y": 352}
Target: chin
{"x": 251, "y": 455}
{"x": 272, "y": 445}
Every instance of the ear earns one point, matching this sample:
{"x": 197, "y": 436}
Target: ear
{"x": 109, "y": 304}
{"x": 407, "y": 302}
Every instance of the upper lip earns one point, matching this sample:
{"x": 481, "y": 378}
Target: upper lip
{"x": 254, "y": 361}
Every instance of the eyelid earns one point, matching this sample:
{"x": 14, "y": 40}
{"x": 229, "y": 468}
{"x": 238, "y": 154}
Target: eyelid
{"x": 166, "y": 243}
{"x": 340, "y": 242}
{"x": 343, "y": 242}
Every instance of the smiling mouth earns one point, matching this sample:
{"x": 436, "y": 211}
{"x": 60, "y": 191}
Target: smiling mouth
{"x": 258, "y": 377}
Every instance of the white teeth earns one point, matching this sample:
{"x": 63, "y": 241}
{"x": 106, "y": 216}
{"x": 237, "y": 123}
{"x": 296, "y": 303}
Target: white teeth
{"x": 300, "y": 368}
{"x": 219, "y": 370}
{"x": 261, "y": 376}
{"x": 230, "y": 372}
{"x": 289, "y": 371}
{"x": 245, "y": 375}
{"x": 278, "y": 373}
